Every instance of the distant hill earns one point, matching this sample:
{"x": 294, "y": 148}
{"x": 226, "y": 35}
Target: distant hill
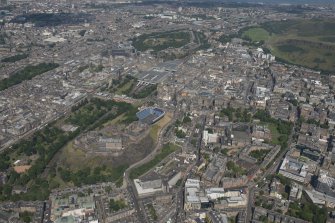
{"x": 295, "y": 2}
{"x": 284, "y": 1}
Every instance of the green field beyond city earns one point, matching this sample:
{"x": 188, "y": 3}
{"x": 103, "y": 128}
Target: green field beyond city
{"x": 309, "y": 43}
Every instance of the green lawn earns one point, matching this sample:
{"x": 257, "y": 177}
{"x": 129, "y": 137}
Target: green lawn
{"x": 330, "y": 39}
{"x": 116, "y": 205}
{"x": 259, "y": 154}
{"x": 308, "y": 43}
{"x": 274, "y": 134}
{"x": 162, "y": 40}
{"x": 152, "y": 211}
{"x": 234, "y": 170}
{"x": 157, "y": 127}
{"x": 256, "y": 34}
{"x": 306, "y": 55}
{"x": 166, "y": 150}
{"x": 123, "y": 89}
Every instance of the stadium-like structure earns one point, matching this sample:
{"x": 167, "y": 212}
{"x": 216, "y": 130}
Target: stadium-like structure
{"x": 150, "y": 115}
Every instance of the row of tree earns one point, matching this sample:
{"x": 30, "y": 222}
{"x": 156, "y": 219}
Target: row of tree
{"x": 47, "y": 142}
{"x": 87, "y": 175}
{"x": 14, "y": 58}
{"x": 26, "y": 73}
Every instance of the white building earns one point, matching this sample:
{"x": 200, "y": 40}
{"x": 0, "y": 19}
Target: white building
{"x": 54, "y": 39}
{"x": 215, "y": 193}
{"x": 174, "y": 179}
{"x": 293, "y": 169}
{"x": 232, "y": 199}
{"x": 147, "y": 188}
{"x": 320, "y": 198}
{"x": 209, "y": 137}
{"x": 296, "y": 191}
{"x": 237, "y": 201}
{"x": 192, "y": 183}
{"x": 194, "y": 196}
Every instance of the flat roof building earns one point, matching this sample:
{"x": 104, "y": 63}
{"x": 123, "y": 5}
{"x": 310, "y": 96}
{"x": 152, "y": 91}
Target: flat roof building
{"x": 148, "y": 188}
{"x": 293, "y": 169}
{"x": 150, "y": 115}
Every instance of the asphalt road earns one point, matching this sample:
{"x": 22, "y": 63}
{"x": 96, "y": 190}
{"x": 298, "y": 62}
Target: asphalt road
{"x": 130, "y": 184}
{"x": 270, "y": 171}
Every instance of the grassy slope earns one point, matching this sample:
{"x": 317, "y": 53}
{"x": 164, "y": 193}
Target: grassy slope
{"x": 156, "y": 128}
{"x": 162, "y": 41}
{"x": 76, "y": 159}
{"x": 308, "y": 53}
{"x": 274, "y": 134}
{"x": 125, "y": 87}
{"x": 166, "y": 150}
{"x": 256, "y": 34}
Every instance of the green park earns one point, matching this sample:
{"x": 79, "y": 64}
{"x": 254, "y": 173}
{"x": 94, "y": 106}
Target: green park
{"x": 308, "y": 43}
